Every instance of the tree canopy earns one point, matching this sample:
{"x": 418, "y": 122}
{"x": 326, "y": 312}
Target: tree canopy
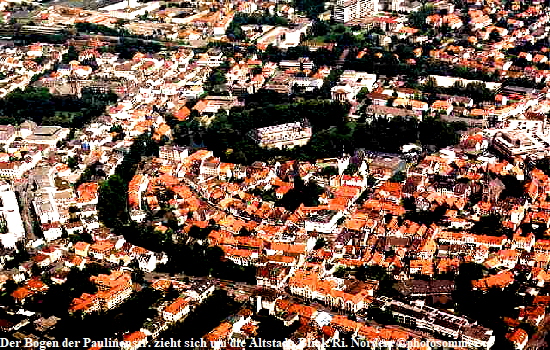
{"x": 40, "y": 106}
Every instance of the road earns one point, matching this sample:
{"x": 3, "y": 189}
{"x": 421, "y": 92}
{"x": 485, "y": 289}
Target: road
{"x": 243, "y": 291}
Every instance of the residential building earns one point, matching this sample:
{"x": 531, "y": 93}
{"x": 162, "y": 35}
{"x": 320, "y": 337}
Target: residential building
{"x": 177, "y": 309}
{"x": 440, "y": 322}
{"x": 113, "y": 290}
{"x": 347, "y": 10}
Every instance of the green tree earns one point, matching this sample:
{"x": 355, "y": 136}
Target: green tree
{"x": 72, "y": 162}
{"x": 494, "y": 36}
{"x": 71, "y": 55}
{"x": 351, "y": 169}
{"x": 307, "y": 194}
{"x": 112, "y": 202}
{"x": 320, "y": 243}
{"x": 216, "y": 78}
{"x": 329, "y": 171}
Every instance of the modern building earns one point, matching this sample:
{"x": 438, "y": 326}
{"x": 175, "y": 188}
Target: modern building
{"x": 351, "y": 83}
{"x": 47, "y": 135}
{"x": 283, "y": 135}
{"x": 173, "y": 153}
{"x": 440, "y": 322}
{"x": 347, "y": 10}
{"x": 11, "y": 225}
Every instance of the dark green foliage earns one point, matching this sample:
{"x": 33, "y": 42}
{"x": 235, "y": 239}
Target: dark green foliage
{"x": 466, "y": 273}
{"x": 512, "y": 187}
{"x": 119, "y": 132}
{"x": 38, "y": 105}
{"x": 320, "y": 28}
{"x": 320, "y": 57}
{"x": 433, "y": 131}
{"x": 306, "y": 194}
{"x": 379, "y": 274}
{"x": 320, "y": 243}
{"x": 384, "y": 317}
{"x": 488, "y": 308}
{"x": 272, "y": 328}
{"x": 128, "y": 47}
{"x": 264, "y": 98}
{"x": 340, "y": 272}
{"x": 426, "y": 217}
{"x": 491, "y": 225}
{"x": 113, "y": 197}
{"x": 81, "y": 237}
{"x": 417, "y": 19}
{"x": 244, "y": 18}
{"x": 112, "y": 203}
{"x": 494, "y": 36}
{"x": 21, "y": 255}
{"x": 351, "y": 169}
{"x": 85, "y": 27}
{"x": 116, "y": 128}
{"x": 199, "y": 233}
{"x": 544, "y": 165}
{"x": 215, "y": 79}
{"x": 523, "y": 82}
{"x": 529, "y": 328}
{"x": 390, "y": 65}
{"x": 71, "y": 55}
{"x": 228, "y": 136}
{"x": 312, "y": 8}
{"x": 29, "y": 38}
{"x": 57, "y": 299}
{"x": 381, "y": 134}
{"x": 201, "y": 260}
{"x": 72, "y": 162}
{"x": 329, "y": 171}
{"x": 5, "y": 295}
{"x": 398, "y": 177}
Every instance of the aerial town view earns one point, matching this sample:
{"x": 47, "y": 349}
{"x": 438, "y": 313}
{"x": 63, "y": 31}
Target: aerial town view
{"x": 289, "y": 174}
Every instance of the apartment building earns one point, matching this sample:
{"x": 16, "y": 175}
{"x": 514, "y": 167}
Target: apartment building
{"x": 440, "y": 322}
{"x": 176, "y": 310}
{"x": 338, "y": 293}
{"x": 113, "y": 290}
{"x": 347, "y": 10}
{"x": 351, "y": 83}
{"x": 173, "y": 153}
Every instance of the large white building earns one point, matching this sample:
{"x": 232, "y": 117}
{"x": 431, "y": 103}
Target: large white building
{"x": 351, "y": 83}
{"x": 11, "y": 225}
{"x": 323, "y": 221}
{"x": 173, "y": 153}
{"x": 440, "y": 322}
{"x": 283, "y": 135}
{"x": 347, "y": 10}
